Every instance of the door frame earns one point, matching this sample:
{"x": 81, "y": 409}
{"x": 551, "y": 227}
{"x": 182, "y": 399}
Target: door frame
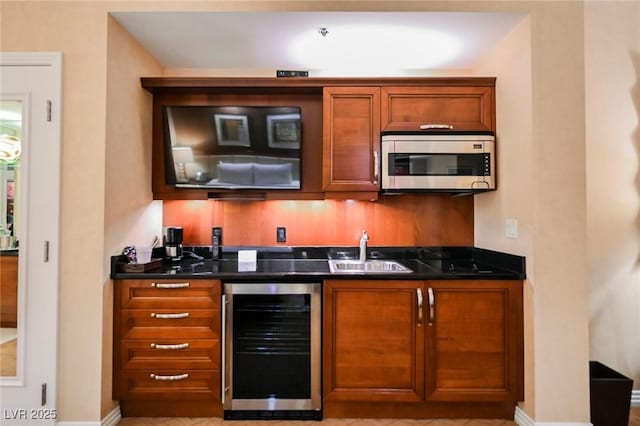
{"x": 27, "y": 328}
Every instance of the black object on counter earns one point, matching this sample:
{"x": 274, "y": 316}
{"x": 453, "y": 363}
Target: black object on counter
{"x": 173, "y": 243}
{"x": 216, "y": 242}
{"x": 610, "y": 396}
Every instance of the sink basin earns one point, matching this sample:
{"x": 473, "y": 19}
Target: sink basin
{"x": 367, "y": 267}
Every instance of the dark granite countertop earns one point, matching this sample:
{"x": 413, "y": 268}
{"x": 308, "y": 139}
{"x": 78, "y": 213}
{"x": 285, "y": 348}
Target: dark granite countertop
{"x": 295, "y": 263}
{"x": 10, "y": 252}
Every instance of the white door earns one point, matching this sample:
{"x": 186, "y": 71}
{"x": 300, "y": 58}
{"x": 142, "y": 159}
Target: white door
{"x": 33, "y": 80}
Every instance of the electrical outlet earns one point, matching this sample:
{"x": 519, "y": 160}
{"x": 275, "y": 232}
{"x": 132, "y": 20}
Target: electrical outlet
{"x": 511, "y": 228}
{"x": 281, "y": 234}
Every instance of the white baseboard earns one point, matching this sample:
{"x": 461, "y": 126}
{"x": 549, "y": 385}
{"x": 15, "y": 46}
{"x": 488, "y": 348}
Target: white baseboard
{"x": 110, "y": 419}
{"x": 522, "y": 419}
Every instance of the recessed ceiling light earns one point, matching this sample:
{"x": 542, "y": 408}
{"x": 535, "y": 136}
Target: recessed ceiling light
{"x": 371, "y": 48}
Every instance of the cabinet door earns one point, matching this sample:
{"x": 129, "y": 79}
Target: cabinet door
{"x": 9, "y": 291}
{"x": 351, "y": 138}
{"x": 463, "y": 107}
{"x": 474, "y": 341}
{"x": 373, "y": 347}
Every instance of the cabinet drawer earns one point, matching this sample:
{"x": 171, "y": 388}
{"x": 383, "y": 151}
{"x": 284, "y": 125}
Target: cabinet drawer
{"x": 169, "y": 293}
{"x": 170, "y": 324}
{"x": 170, "y": 353}
{"x": 172, "y": 384}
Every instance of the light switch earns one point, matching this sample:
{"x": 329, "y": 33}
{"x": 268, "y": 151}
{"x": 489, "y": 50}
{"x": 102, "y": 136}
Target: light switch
{"x": 511, "y": 228}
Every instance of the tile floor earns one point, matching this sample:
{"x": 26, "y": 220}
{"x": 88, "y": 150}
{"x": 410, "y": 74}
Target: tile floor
{"x": 634, "y": 420}
{"x": 328, "y": 422}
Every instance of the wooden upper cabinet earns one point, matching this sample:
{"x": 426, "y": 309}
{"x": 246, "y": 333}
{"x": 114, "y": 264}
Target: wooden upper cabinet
{"x": 463, "y": 107}
{"x": 474, "y": 343}
{"x": 351, "y": 138}
{"x": 341, "y": 123}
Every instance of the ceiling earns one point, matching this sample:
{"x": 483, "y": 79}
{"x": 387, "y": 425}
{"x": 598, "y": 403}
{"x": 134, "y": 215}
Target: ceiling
{"x": 362, "y": 43}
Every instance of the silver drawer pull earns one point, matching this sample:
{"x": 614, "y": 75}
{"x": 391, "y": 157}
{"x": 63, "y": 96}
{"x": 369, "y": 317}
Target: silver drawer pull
{"x": 170, "y": 347}
{"x": 170, "y": 316}
{"x": 435, "y": 126}
{"x": 169, "y": 378}
{"x": 170, "y": 285}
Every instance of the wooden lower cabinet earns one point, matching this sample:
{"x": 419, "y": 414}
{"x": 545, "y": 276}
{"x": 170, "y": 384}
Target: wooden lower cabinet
{"x": 373, "y": 349}
{"x": 9, "y": 291}
{"x": 440, "y": 348}
{"x": 475, "y": 341}
{"x": 167, "y": 354}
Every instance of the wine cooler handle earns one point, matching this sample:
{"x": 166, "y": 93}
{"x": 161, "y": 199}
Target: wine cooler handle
{"x": 223, "y": 342}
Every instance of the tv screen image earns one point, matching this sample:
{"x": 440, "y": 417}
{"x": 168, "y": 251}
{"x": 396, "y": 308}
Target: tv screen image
{"x": 233, "y": 147}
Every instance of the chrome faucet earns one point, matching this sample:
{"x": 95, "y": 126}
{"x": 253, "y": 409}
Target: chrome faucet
{"x": 363, "y": 246}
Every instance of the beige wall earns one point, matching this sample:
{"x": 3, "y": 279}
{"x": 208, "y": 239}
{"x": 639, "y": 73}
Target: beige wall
{"x": 560, "y": 314}
{"x": 131, "y": 216}
{"x": 554, "y": 225}
{"x": 510, "y": 63}
{"x": 612, "y": 81}
{"x": 79, "y": 31}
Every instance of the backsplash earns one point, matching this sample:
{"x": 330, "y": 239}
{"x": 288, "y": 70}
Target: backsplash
{"x": 398, "y": 220}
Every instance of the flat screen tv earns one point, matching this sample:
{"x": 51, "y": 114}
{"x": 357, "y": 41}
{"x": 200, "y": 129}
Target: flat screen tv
{"x": 233, "y": 147}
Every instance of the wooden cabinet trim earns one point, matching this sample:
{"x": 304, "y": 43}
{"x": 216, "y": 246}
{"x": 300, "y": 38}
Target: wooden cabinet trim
{"x": 199, "y": 84}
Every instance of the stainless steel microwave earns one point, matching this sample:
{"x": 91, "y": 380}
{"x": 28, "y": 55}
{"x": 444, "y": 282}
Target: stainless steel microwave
{"x": 452, "y": 162}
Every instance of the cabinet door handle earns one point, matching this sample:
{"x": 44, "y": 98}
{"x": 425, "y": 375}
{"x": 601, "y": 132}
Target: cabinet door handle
{"x": 175, "y": 378}
{"x": 169, "y": 347}
{"x": 435, "y": 126}
{"x": 432, "y": 307}
{"x": 419, "y": 294}
{"x": 170, "y": 316}
{"x": 170, "y": 285}
{"x": 376, "y": 167}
